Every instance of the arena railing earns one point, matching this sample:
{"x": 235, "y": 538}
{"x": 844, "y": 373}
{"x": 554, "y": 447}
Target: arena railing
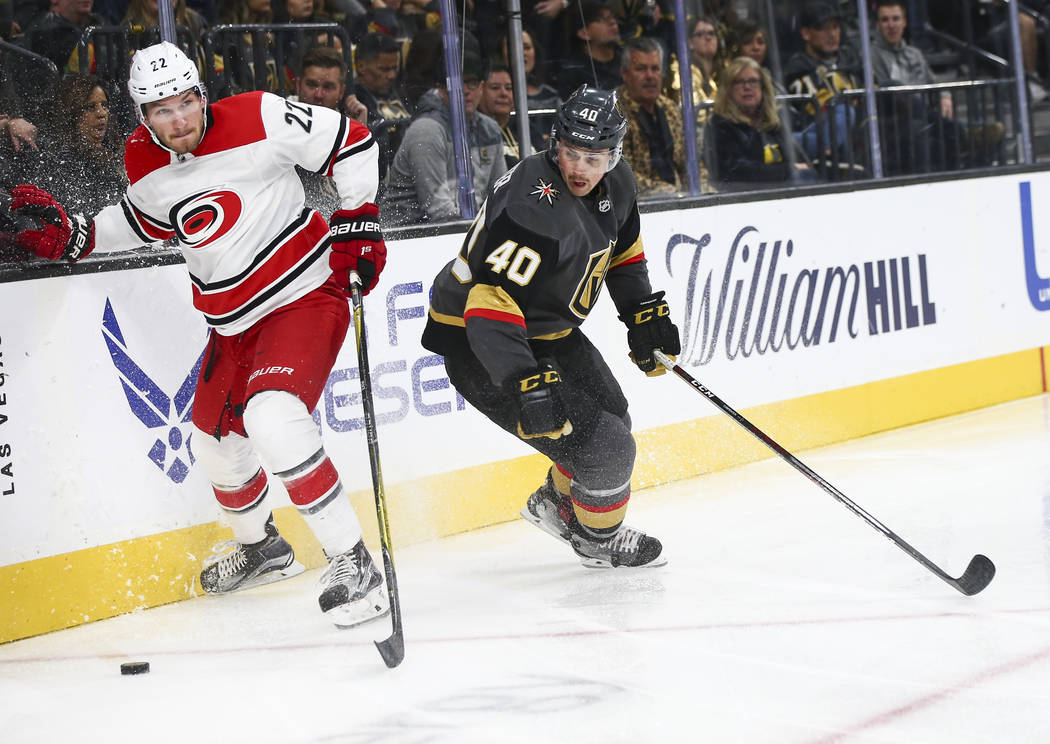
{"x": 264, "y": 56}
{"x": 34, "y": 77}
{"x": 106, "y": 51}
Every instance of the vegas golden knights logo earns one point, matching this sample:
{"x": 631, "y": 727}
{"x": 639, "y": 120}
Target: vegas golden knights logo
{"x": 591, "y": 285}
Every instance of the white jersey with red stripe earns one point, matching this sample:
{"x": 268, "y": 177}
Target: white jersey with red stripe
{"x": 236, "y": 204}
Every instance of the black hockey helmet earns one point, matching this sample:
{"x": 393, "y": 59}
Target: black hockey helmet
{"x": 590, "y": 119}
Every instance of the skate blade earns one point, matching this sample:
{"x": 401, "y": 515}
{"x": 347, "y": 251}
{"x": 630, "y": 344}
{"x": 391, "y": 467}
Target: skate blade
{"x": 660, "y": 560}
{"x": 533, "y": 519}
{"x": 372, "y": 606}
{"x": 270, "y": 577}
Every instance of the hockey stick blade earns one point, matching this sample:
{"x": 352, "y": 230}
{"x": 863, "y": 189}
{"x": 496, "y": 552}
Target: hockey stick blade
{"x": 393, "y": 648}
{"x": 977, "y": 575}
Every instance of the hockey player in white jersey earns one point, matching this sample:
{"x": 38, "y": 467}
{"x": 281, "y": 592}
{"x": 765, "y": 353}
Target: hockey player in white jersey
{"x": 270, "y": 277}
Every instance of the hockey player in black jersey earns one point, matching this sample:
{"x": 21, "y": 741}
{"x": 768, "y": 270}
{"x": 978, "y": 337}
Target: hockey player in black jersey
{"x": 505, "y": 313}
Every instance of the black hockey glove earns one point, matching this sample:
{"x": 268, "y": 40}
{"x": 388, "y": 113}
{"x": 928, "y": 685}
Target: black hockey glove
{"x": 541, "y": 411}
{"x": 649, "y": 327}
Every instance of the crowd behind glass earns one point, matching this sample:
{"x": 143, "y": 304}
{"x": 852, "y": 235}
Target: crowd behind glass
{"x": 778, "y": 94}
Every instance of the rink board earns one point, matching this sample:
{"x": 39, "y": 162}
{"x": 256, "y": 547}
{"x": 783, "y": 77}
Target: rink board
{"x": 821, "y": 318}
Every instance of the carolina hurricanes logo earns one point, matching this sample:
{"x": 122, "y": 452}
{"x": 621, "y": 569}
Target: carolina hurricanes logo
{"x": 206, "y": 216}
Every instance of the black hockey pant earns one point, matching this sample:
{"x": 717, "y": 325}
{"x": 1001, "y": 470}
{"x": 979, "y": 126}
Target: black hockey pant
{"x": 601, "y": 458}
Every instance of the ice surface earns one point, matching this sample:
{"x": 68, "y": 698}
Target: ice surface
{"x": 781, "y": 617}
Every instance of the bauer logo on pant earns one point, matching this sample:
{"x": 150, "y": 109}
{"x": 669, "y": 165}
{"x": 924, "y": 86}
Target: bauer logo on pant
{"x": 271, "y": 371}
{"x": 151, "y": 405}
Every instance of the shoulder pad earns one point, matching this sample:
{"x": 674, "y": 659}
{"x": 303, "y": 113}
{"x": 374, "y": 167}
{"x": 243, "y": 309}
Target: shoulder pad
{"x": 532, "y": 195}
{"x": 142, "y": 155}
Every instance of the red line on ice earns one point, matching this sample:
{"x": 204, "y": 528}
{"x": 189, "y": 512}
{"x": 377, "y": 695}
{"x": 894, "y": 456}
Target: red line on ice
{"x": 933, "y": 698}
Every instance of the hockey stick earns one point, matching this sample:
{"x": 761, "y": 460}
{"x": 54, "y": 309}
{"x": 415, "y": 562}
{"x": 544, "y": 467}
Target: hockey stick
{"x": 393, "y": 648}
{"x": 976, "y": 576}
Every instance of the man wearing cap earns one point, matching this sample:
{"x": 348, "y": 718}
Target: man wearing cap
{"x": 421, "y": 184}
{"x": 597, "y": 62}
{"x": 654, "y": 144}
{"x": 823, "y": 69}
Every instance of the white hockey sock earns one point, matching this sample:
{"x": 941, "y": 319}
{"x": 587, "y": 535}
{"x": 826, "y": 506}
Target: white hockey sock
{"x": 335, "y": 525}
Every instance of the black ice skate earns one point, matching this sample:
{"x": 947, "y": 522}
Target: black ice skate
{"x": 552, "y": 512}
{"x": 233, "y": 566}
{"x": 628, "y": 548}
{"x": 353, "y": 591}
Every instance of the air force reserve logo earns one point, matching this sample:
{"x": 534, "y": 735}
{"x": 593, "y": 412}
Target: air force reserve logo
{"x": 544, "y": 190}
{"x": 151, "y": 405}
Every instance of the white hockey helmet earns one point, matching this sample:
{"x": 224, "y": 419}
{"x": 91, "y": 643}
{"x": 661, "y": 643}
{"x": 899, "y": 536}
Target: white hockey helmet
{"x": 160, "y": 71}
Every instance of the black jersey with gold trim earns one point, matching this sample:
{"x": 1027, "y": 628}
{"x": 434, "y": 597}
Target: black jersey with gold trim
{"x": 533, "y": 263}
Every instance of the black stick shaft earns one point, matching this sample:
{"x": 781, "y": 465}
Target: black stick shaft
{"x": 393, "y": 648}
{"x": 978, "y": 574}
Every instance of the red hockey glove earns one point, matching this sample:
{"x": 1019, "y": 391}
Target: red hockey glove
{"x": 60, "y": 236}
{"x": 357, "y": 245}
{"x": 649, "y": 327}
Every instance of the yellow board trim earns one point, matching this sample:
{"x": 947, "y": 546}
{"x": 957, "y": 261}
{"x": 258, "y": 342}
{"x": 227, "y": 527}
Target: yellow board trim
{"x": 95, "y": 583}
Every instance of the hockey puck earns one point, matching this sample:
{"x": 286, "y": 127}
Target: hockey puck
{"x": 134, "y": 667}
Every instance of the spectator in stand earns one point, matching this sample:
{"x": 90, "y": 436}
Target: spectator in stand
{"x": 550, "y": 24}
{"x": 14, "y": 129}
{"x": 637, "y": 17}
{"x": 540, "y": 95}
{"x": 82, "y": 163}
{"x": 598, "y": 61}
{"x": 300, "y": 11}
{"x": 209, "y": 9}
{"x": 381, "y": 17}
{"x": 145, "y": 13}
{"x": 415, "y": 16}
{"x": 246, "y": 11}
{"x": 497, "y": 101}
{"x": 896, "y": 62}
{"x": 706, "y": 60}
{"x": 55, "y": 34}
{"x": 750, "y": 40}
{"x": 724, "y": 13}
{"x": 295, "y": 45}
{"x": 376, "y": 62}
{"x": 322, "y": 82}
{"x": 18, "y": 138}
{"x": 989, "y": 28}
{"x": 654, "y": 145}
{"x": 421, "y": 185}
{"x": 423, "y": 66}
{"x": 925, "y": 132}
{"x": 744, "y": 143}
{"x": 824, "y": 68}
{"x": 242, "y": 75}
